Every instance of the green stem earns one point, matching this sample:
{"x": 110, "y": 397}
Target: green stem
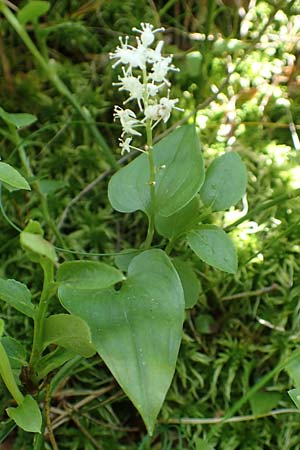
{"x": 170, "y": 246}
{"x": 265, "y": 205}
{"x": 150, "y": 231}
{"x": 36, "y": 185}
{"x": 47, "y": 292}
{"x": 57, "y": 82}
{"x": 8, "y": 376}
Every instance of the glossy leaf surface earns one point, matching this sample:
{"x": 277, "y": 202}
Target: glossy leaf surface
{"x": 137, "y": 329}
{"x": 179, "y": 176}
{"x": 214, "y": 247}
{"x": 225, "y": 182}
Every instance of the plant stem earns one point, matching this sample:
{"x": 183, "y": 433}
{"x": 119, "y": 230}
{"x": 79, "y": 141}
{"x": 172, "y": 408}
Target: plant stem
{"x": 170, "y": 246}
{"x": 150, "y": 231}
{"x": 8, "y": 376}
{"x": 52, "y": 75}
{"x": 47, "y": 292}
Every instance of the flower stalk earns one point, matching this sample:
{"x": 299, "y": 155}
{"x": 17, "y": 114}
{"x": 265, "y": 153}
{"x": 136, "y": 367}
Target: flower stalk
{"x": 144, "y": 77}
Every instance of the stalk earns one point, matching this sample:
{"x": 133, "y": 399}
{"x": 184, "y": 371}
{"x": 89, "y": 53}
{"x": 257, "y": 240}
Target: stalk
{"x": 47, "y": 292}
{"x": 150, "y": 231}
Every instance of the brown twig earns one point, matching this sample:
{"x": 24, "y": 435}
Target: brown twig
{"x": 48, "y": 418}
{"x": 86, "y": 433}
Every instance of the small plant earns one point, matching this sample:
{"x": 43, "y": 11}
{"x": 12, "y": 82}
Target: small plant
{"x": 132, "y": 315}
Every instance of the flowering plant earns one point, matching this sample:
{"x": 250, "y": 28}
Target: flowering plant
{"x": 132, "y": 315}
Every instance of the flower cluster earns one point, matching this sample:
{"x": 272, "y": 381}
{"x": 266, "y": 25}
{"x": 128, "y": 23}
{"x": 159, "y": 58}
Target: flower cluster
{"x": 144, "y": 76}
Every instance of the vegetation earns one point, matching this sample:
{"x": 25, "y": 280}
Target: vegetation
{"x": 239, "y": 84}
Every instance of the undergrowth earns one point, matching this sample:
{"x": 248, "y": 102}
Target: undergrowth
{"x": 242, "y": 89}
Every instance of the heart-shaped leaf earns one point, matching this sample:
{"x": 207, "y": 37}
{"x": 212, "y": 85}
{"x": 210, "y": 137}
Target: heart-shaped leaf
{"x": 70, "y": 332}
{"x": 225, "y": 182}
{"x": 137, "y": 329}
{"x": 213, "y": 246}
{"x": 18, "y": 296}
{"x": 12, "y": 178}
{"x": 27, "y": 415}
{"x": 179, "y": 176}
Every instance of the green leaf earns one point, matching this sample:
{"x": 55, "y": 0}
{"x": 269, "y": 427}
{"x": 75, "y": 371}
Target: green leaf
{"x": 225, "y": 182}
{"x": 179, "y": 176}
{"x": 19, "y": 120}
{"x": 295, "y": 396}
{"x": 190, "y": 283}
{"x": 53, "y": 360}
{"x": 32, "y": 11}
{"x": 137, "y": 329}
{"x": 31, "y": 239}
{"x": 180, "y": 222}
{"x": 88, "y": 275}
{"x": 123, "y": 259}
{"x": 15, "y": 351}
{"x": 27, "y": 415}
{"x": 18, "y": 296}
{"x": 12, "y": 178}
{"x": 70, "y": 332}
{"x": 214, "y": 247}
{"x": 262, "y": 402}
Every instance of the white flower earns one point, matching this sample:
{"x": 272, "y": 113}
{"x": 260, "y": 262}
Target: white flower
{"x": 122, "y": 53}
{"x": 152, "y": 112}
{"x": 165, "y": 107}
{"x": 161, "y": 68}
{"x": 128, "y": 120}
{"x": 127, "y": 54}
{"x": 155, "y": 55}
{"x": 145, "y": 74}
{"x": 147, "y": 33}
{"x": 152, "y": 89}
{"x": 132, "y": 85}
{"x": 125, "y": 145}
